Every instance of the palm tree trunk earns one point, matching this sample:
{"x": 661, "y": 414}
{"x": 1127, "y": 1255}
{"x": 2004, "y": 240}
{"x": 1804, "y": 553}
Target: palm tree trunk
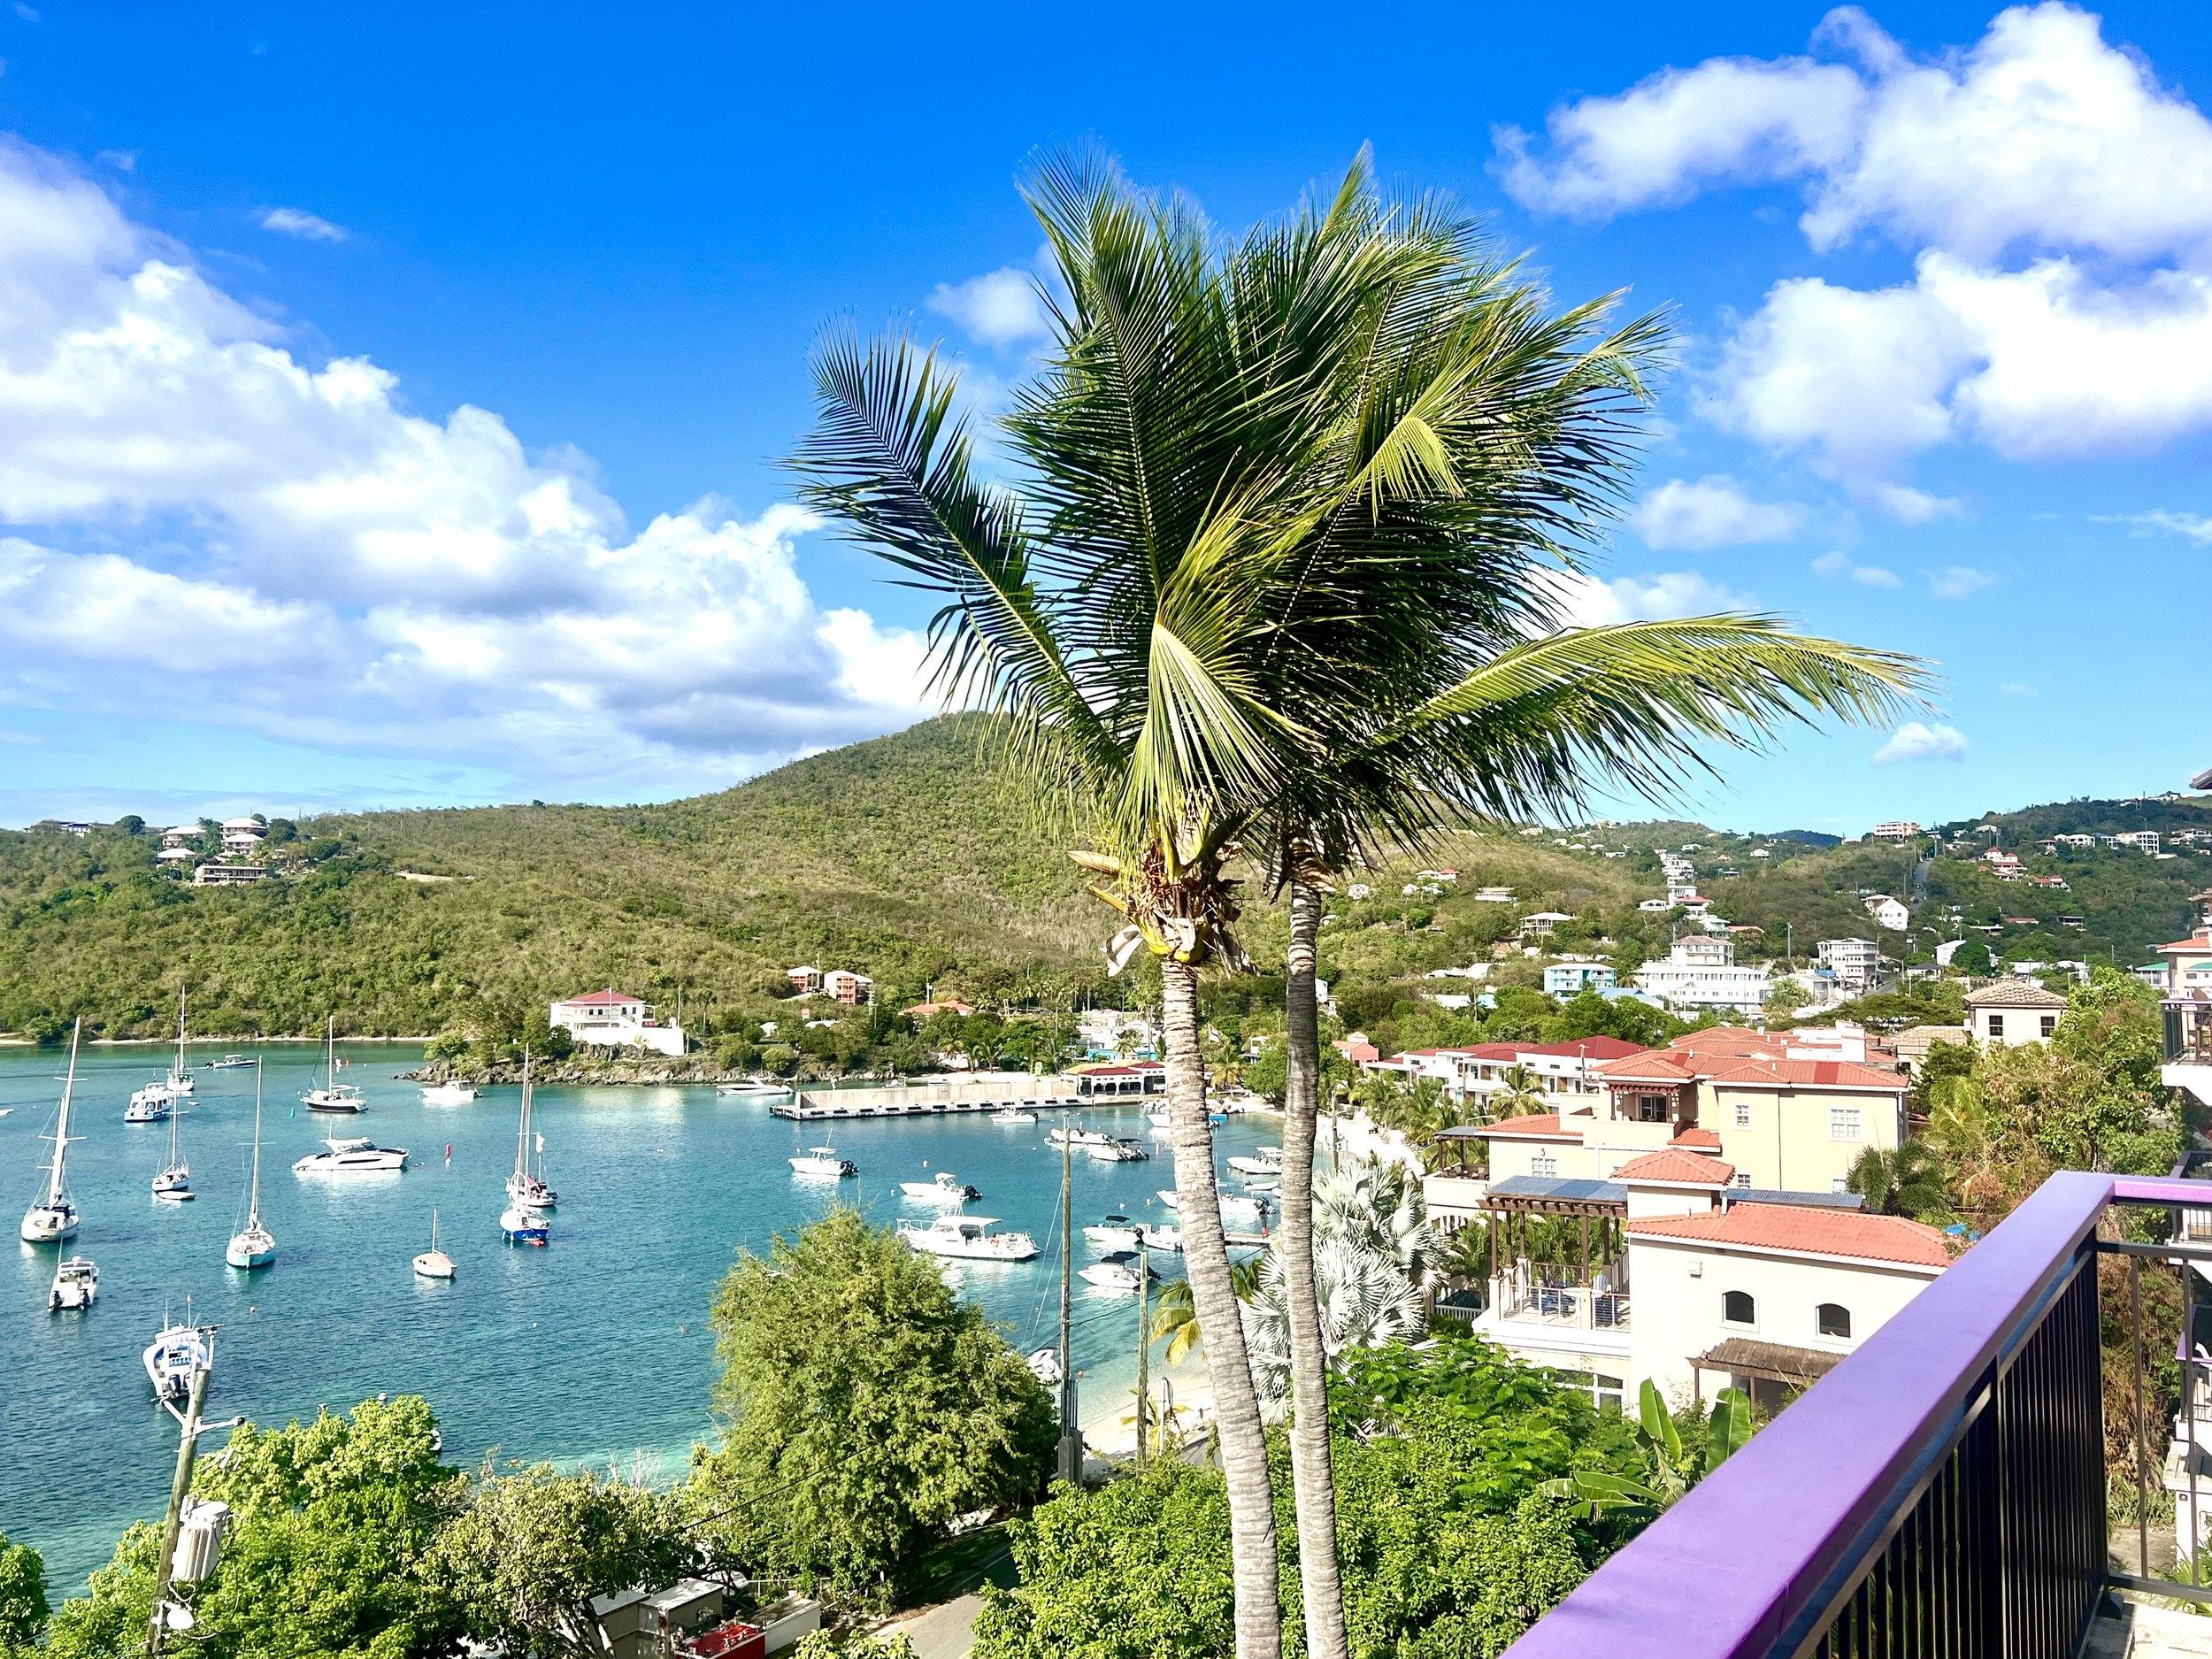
{"x": 1310, "y": 1473}
{"x": 1220, "y": 1321}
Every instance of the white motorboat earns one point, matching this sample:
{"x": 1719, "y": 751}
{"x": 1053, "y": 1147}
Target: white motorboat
{"x": 1115, "y": 1233}
{"x": 519, "y": 1225}
{"x": 971, "y": 1238}
{"x": 76, "y": 1282}
{"x": 752, "y": 1086}
{"x": 333, "y": 1097}
{"x": 1116, "y": 1152}
{"x": 1078, "y": 1136}
{"x": 1164, "y": 1238}
{"x": 178, "y": 1353}
{"x": 1120, "y": 1271}
{"x": 1013, "y": 1116}
{"x": 1231, "y": 1203}
{"x": 1266, "y": 1161}
{"x": 174, "y": 1183}
{"x": 448, "y": 1095}
{"x": 433, "y": 1263}
{"x": 53, "y": 1218}
{"x": 823, "y": 1160}
{"x": 1044, "y": 1366}
{"x": 947, "y": 1188}
{"x": 1159, "y": 1120}
{"x": 230, "y": 1062}
{"x": 526, "y": 1189}
{"x": 353, "y": 1155}
{"x": 148, "y": 1105}
{"x": 253, "y": 1245}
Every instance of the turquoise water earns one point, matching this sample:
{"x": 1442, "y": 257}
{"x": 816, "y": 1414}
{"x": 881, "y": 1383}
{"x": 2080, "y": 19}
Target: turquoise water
{"x": 594, "y": 1348}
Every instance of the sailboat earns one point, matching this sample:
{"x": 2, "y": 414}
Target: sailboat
{"x": 527, "y": 1189}
{"x": 174, "y": 1183}
{"x": 433, "y": 1263}
{"x": 157, "y": 1100}
{"x": 333, "y": 1097}
{"x": 254, "y": 1246}
{"x": 53, "y": 1218}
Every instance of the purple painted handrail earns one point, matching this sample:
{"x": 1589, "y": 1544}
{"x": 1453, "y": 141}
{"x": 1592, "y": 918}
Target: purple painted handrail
{"x": 1725, "y": 1572}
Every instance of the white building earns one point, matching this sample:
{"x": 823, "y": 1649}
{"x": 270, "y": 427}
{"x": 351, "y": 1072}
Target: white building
{"x": 1853, "y": 962}
{"x": 1888, "y": 913}
{"x": 243, "y": 835}
{"x": 1107, "y": 1032}
{"x": 1902, "y": 830}
{"x": 179, "y": 834}
{"x": 1541, "y": 923}
{"x": 2012, "y": 1013}
{"x": 848, "y": 988}
{"x": 2142, "y": 841}
{"x": 1491, "y": 895}
{"x": 615, "y": 1019}
{"x": 1701, "y": 972}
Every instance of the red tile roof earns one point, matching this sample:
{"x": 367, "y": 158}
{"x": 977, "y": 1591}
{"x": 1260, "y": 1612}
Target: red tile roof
{"x": 1845, "y": 1233}
{"x": 1657, "y": 1067}
{"x": 1667, "y": 1164}
{"x": 600, "y": 999}
{"x": 1536, "y": 1126}
{"x": 1696, "y": 1139}
{"x": 1847, "y": 1074}
{"x": 2200, "y": 942}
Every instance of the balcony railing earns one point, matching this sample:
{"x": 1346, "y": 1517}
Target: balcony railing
{"x": 1572, "y": 1305}
{"x": 1940, "y": 1493}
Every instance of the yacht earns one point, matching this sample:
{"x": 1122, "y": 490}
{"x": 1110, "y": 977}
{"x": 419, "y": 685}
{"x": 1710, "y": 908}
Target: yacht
{"x": 1118, "y": 1271}
{"x": 180, "y": 1353}
{"x": 76, "y": 1282}
{"x": 823, "y": 1160}
{"x": 174, "y": 1183}
{"x": 333, "y": 1097}
{"x": 947, "y": 1188}
{"x": 253, "y": 1245}
{"x": 1266, "y": 1161}
{"x": 53, "y": 1218}
{"x": 148, "y": 1105}
{"x": 527, "y": 1189}
{"x": 448, "y": 1095}
{"x": 354, "y": 1155}
{"x": 1013, "y": 1116}
{"x": 752, "y": 1086}
{"x": 230, "y": 1062}
{"x": 433, "y": 1263}
{"x": 519, "y": 1225}
{"x": 969, "y": 1237}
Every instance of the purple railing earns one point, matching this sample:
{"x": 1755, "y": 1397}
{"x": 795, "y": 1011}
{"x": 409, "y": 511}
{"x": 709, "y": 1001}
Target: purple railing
{"x": 1948, "y": 1475}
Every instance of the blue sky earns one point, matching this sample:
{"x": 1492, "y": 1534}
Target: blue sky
{"x": 389, "y": 398}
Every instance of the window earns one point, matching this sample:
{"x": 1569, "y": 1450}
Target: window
{"x": 1543, "y": 1163}
{"x": 2050, "y": 1024}
{"x": 1838, "y": 1183}
{"x": 1843, "y": 1124}
{"x": 1651, "y": 1108}
{"x": 1996, "y": 1025}
{"x": 1743, "y": 1114}
{"x": 1737, "y": 1308}
{"x": 1833, "y": 1319}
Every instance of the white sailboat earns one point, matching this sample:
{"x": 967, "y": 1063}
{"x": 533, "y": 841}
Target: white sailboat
{"x": 527, "y": 1189}
{"x": 76, "y": 1282}
{"x": 179, "y": 1082}
{"x": 53, "y": 1218}
{"x": 180, "y": 1353}
{"x": 254, "y": 1246}
{"x": 333, "y": 1097}
{"x": 433, "y": 1263}
{"x": 174, "y": 1183}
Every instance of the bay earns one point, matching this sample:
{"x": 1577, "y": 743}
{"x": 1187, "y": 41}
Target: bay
{"x": 595, "y": 1349}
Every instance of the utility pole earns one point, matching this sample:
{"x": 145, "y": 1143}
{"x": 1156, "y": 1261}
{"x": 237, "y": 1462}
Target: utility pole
{"x": 1071, "y": 1427}
{"x": 188, "y": 1445}
{"x": 1144, "y": 1338}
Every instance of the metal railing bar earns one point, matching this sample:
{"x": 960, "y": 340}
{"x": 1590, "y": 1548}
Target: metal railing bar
{"x": 2167, "y": 1252}
{"x": 2142, "y": 1473}
{"x": 2200, "y": 1594}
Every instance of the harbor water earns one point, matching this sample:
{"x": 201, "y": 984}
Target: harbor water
{"x": 595, "y": 1349}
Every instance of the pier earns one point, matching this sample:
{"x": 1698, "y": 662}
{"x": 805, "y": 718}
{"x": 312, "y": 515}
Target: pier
{"x": 985, "y": 1092}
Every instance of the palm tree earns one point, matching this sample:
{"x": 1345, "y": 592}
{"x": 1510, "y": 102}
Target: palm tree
{"x": 1283, "y": 567}
{"x": 1176, "y": 1318}
{"x": 1521, "y": 1096}
{"x": 1905, "y": 1181}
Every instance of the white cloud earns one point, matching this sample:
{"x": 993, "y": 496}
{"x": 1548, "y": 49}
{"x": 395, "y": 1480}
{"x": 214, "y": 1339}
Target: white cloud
{"x": 2193, "y": 527}
{"x": 1712, "y": 512}
{"x": 2017, "y": 688}
{"x": 2041, "y": 145}
{"x": 1589, "y": 602}
{"x": 1836, "y": 561}
{"x": 293, "y": 222}
{"x": 201, "y": 522}
{"x": 1000, "y": 308}
{"x": 1916, "y": 742}
{"x": 1958, "y": 581}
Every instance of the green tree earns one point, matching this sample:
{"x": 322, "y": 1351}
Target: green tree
{"x": 1904, "y": 1181}
{"x": 867, "y": 1407}
{"x": 1674, "y": 1468}
{"x": 532, "y": 1546}
{"x": 23, "y": 1608}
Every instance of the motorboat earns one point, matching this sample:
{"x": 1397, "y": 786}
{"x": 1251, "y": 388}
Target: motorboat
{"x": 53, "y": 1218}
{"x": 148, "y": 1105}
{"x": 448, "y": 1095}
{"x": 1118, "y": 1271}
{"x": 526, "y": 1189}
{"x": 1044, "y": 1366}
{"x": 174, "y": 1357}
{"x": 947, "y": 1188}
{"x": 1116, "y": 1151}
{"x": 519, "y": 1225}
{"x": 352, "y": 1154}
{"x": 752, "y": 1086}
{"x": 823, "y": 1160}
{"x": 333, "y": 1097}
{"x": 1266, "y": 1161}
{"x": 1164, "y": 1238}
{"x": 969, "y": 1237}
{"x": 1115, "y": 1233}
{"x": 1013, "y": 1116}
{"x": 1079, "y": 1136}
{"x": 253, "y": 1245}
{"x": 76, "y": 1282}
{"x": 433, "y": 1263}
{"x": 230, "y": 1062}
{"x": 1231, "y": 1203}
{"x": 1160, "y": 1119}
{"x": 175, "y": 1182}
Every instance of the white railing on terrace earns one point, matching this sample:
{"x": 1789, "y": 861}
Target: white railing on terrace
{"x": 1569, "y": 1305}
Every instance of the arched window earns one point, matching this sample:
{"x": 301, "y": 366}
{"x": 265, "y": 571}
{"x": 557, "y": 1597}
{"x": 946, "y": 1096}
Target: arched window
{"x": 1833, "y": 1319}
{"x": 1737, "y": 1308}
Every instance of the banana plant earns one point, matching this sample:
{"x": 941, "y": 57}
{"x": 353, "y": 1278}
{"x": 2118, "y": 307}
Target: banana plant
{"x": 1673, "y": 1471}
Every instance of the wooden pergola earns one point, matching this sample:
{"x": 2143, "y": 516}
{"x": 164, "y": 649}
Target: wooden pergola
{"x": 1512, "y": 1202}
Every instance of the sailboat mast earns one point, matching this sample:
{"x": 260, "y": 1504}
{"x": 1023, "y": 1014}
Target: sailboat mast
{"x": 61, "y": 1129}
{"x": 522, "y": 1131}
{"x": 1070, "y": 1430}
{"x": 330, "y": 1051}
{"x": 179, "y": 1034}
{"x": 253, "y": 1204}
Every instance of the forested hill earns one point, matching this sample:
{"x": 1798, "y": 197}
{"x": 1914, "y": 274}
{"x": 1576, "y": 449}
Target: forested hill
{"x": 904, "y": 856}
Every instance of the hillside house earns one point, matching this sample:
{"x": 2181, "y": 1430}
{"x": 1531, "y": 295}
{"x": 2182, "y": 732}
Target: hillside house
{"x": 852, "y": 989}
{"x": 2013, "y": 1012}
{"x": 609, "y": 1018}
{"x": 1702, "y": 972}
{"x": 804, "y": 981}
{"x": 1888, "y": 913}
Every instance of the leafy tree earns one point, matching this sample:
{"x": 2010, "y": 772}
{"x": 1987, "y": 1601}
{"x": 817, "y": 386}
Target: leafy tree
{"x": 867, "y": 1407}
{"x": 1973, "y": 957}
{"x": 1673, "y": 1471}
{"x": 23, "y": 1608}
{"x": 1785, "y": 998}
{"x": 1904, "y": 1181}
{"x": 525, "y": 1556}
